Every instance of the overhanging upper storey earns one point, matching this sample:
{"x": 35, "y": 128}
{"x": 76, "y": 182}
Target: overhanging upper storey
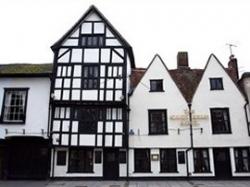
{"x": 92, "y": 62}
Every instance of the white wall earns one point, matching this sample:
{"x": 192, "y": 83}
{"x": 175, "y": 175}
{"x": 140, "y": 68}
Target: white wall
{"x": 229, "y": 97}
{"x": 37, "y": 106}
{"x": 142, "y": 100}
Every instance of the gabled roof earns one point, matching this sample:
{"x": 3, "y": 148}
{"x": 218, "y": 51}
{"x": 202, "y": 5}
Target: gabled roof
{"x": 187, "y": 80}
{"x": 25, "y": 70}
{"x": 93, "y": 9}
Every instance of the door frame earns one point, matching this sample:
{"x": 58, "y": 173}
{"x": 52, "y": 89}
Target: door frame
{"x": 105, "y": 152}
{"x": 228, "y": 161}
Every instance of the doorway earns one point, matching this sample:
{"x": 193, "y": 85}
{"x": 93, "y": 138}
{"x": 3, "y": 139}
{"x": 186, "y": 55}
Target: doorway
{"x": 110, "y": 164}
{"x": 222, "y": 163}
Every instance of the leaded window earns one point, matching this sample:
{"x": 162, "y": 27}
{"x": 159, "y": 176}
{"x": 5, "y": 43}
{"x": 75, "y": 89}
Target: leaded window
{"x": 201, "y": 160}
{"x": 14, "y": 105}
{"x": 168, "y": 160}
{"x": 157, "y": 122}
{"x": 81, "y": 160}
{"x": 156, "y": 85}
{"x": 216, "y": 84}
{"x": 242, "y": 159}
{"x": 142, "y": 160}
{"x": 220, "y": 120}
{"x": 90, "y": 77}
{"x": 92, "y": 40}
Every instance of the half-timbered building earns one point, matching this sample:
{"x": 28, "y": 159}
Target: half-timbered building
{"x": 89, "y": 97}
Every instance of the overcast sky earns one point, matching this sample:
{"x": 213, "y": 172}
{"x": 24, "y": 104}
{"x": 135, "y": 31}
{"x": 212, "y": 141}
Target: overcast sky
{"x": 30, "y": 27}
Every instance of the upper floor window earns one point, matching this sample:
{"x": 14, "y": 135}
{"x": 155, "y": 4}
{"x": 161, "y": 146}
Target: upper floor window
{"x": 92, "y": 40}
{"x": 220, "y": 120}
{"x": 201, "y": 160}
{"x": 216, "y": 84}
{"x": 14, "y": 105}
{"x": 90, "y": 78}
{"x": 157, "y": 122}
{"x": 242, "y": 159}
{"x": 156, "y": 85}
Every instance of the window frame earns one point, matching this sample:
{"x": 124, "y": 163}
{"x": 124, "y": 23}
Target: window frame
{"x": 87, "y": 36}
{"x": 136, "y": 170}
{"x": 2, "y": 121}
{"x": 229, "y": 131}
{"x": 216, "y": 83}
{"x": 242, "y": 159}
{"x": 88, "y": 78}
{"x": 155, "y": 80}
{"x": 61, "y": 162}
{"x": 199, "y": 159}
{"x": 150, "y": 121}
{"x": 168, "y": 161}
{"x": 80, "y": 171}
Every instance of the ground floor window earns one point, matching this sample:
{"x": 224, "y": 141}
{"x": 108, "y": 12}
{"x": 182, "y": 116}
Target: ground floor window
{"x": 168, "y": 160}
{"x": 242, "y": 159}
{"x": 201, "y": 161}
{"x": 142, "y": 160}
{"x": 81, "y": 160}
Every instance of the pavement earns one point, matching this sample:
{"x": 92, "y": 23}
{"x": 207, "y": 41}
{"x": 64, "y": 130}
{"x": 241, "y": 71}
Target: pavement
{"x": 166, "y": 183}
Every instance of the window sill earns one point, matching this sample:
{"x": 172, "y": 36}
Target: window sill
{"x": 79, "y": 172}
{"x": 242, "y": 172}
{"x": 12, "y": 123}
{"x": 153, "y": 134}
{"x": 168, "y": 172}
{"x": 221, "y": 133}
{"x": 202, "y": 172}
{"x": 142, "y": 172}
{"x": 156, "y": 91}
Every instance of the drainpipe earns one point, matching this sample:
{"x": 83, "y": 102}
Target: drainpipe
{"x": 191, "y": 136}
{"x": 245, "y": 107}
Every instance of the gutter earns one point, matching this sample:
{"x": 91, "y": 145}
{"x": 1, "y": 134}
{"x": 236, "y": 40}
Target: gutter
{"x": 248, "y": 125}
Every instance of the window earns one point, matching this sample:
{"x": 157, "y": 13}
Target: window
{"x": 61, "y": 158}
{"x": 242, "y": 159}
{"x": 201, "y": 161}
{"x": 94, "y": 40}
{"x": 168, "y": 160}
{"x": 88, "y": 118}
{"x": 98, "y": 157}
{"x": 156, "y": 86}
{"x": 14, "y": 105}
{"x": 181, "y": 157}
{"x": 142, "y": 160}
{"x": 157, "y": 122}
{"x": 220, "y": 120}
{"x": 216, "y": 84}
{"x": 122, "y": 157}
{"x": 81, "y": 160}
{"x": 90, "y": 78}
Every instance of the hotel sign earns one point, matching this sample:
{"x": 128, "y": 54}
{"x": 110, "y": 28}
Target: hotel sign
{"x": 184, "y": 118}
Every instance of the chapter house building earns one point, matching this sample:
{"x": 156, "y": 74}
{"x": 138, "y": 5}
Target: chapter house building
{"x": 93, "y": 114}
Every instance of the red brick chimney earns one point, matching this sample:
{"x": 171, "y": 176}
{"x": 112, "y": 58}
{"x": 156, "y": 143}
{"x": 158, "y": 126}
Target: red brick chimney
{"x": 233, "y": 68}
{"x": 182, "y": 60}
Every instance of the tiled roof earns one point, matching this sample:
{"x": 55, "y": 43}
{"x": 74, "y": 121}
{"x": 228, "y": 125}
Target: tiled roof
{"x": 187, "y": 80}
{"x": 25, "y": 69}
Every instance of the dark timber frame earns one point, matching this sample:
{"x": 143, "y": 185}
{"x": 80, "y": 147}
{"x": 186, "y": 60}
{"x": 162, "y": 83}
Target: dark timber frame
{"x": 111, "y": 88}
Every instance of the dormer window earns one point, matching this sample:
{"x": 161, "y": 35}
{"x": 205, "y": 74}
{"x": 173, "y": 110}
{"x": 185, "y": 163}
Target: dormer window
{"x": 92, "y": 40}
{"x": 156, "y": 85}
{"x": 216, "y": 84}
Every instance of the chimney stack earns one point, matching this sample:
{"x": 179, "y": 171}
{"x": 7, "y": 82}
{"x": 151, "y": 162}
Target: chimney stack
{"x": 233, "y": 68}
{"x": 182, "y": 60}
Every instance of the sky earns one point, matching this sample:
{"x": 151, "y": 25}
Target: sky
{"x": 29, "y": 27}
